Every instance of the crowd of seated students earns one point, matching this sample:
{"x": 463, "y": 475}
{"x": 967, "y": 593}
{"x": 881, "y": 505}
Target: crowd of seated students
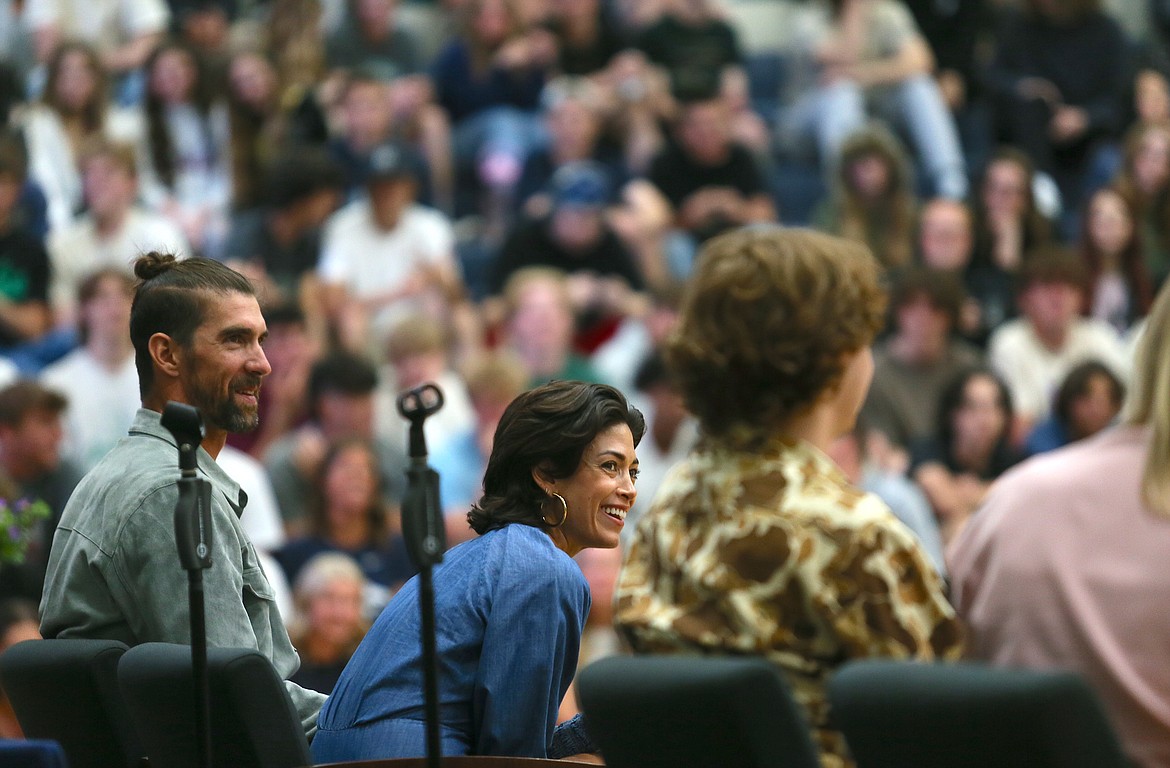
{"x": 495, "y": 193}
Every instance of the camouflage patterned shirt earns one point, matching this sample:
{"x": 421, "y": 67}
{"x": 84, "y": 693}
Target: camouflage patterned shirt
{"x": 773, "y": 552}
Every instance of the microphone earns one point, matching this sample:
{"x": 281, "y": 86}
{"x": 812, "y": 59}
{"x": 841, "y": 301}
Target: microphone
{"x": 186, "y": 425}
{"x": 422, "y": 518}
{"x": 193, "y": 539}
{"x": 193, "y": 510}
{"x": 422, "y": 528}
{"x": 416, "y": 405}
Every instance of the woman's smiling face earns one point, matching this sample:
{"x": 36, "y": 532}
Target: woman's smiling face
{"x": 598, "y": 495}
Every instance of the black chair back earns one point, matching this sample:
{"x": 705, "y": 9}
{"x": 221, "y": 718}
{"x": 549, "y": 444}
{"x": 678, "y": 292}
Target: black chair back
{"x": 693, "y": 712}
{"x": 253, "y": 721}
{"x": 34, "y": 753}
{"x": 903, "y": 714}
{"x": 67, "y": 691}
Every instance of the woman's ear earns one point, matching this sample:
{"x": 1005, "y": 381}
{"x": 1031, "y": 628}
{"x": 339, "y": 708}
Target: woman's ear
{"x": 543, "y": 479}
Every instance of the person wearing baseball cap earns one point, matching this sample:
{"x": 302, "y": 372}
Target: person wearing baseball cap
{"x": 385, "y": 256}
{"x": 576, "y": 238}
{"x": 278, "y": 243}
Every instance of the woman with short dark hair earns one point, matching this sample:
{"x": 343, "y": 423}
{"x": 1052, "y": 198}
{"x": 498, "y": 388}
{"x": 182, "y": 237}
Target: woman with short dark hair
{"x": 511, "y": 604}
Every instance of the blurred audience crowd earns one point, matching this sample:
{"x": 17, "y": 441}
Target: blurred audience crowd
{"x": 489, "y": 194}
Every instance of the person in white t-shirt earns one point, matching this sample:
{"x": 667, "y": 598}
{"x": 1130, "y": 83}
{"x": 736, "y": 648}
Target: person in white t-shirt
{"x": 124, "y": 31}
{"x": 98, "y": 378}
{"x": 74, "y": 107}
{"x": 113, "y": 232}
{"x": 384, "y": 256}
{"x": 1034, "y": 352}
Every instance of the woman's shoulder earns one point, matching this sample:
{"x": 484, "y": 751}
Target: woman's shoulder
{"x": 890, "y": 13}
{"x": 124, "y": 124}
{"x": 41, "y": 125}
{"x": 528, "y": 553}
{"x": 496, "y": 543}
{"x": 518, "y": 538}
{"x": 302, "y": 547}
{"x": 37, "y": 113}
{"x": 514, "y": 561}
{"x": 927, "y": 450}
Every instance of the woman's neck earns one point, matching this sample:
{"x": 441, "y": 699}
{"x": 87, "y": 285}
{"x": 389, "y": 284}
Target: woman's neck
{"x": 580, "y": 28}
{"x": 318, "y": 650}
{"x": 109, "y": 225}
{"x": 111, "y": 352}
{"x": 663, "y": 432}
{"x": 351, "y": 534}
{"x": 566, "y": 152}
{"x": 973, "y": 457}
{"x": 73, "y": 121}
{"x": 546, "y": 361}
{"x": 1110, "y": 260}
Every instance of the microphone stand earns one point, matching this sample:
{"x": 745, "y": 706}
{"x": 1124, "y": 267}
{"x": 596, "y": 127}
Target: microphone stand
{"x": 426, "y": 540}
{"x": 193, "y": 539}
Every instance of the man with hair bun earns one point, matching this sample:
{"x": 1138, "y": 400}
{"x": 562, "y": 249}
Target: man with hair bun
{"x": 114, "y": 570}
{"x": 783, "y": 556}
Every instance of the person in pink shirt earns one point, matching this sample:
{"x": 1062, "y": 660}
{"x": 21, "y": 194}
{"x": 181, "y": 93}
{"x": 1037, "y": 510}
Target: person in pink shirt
{"x": 1064, "y": 566}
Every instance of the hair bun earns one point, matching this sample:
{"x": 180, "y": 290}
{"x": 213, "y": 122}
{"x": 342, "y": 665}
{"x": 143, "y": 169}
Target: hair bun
{"x": 150, "y": 265}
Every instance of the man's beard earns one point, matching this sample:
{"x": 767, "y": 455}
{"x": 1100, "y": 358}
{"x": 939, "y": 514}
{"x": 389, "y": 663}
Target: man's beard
{"x": 223, "y": 412}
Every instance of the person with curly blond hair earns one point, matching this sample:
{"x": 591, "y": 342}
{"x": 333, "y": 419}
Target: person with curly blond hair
{"x": 757, "y": 543}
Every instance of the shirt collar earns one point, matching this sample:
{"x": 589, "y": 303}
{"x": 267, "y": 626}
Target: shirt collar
{"x": 776, "y": 448}
{"x": 148, "y": 422}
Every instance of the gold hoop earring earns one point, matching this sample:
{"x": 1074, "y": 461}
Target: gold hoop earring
{"x": 564, "y": 511}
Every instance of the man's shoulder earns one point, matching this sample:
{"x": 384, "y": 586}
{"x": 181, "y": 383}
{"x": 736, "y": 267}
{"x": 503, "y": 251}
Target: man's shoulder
{"x": 22, "y": 245}
{"x": 889, "y": 370}
{"x": 137, "y": 461}
{"x": 78, "y": 233}
{"x": 964, "y": 354}
{"x": 352, "y": 218}
{"x": 143, "y": 220}
{"x": 668, "y": 162}
{"x": 741, "y": 157}
{"x": 419, "y": 215}
{"x": 428, "y": 230}
{"x": 119, "y": 484}
{"x": 1096, "y": 333}
{"x": 1010, "y": 335}
{"x": 64, "y": 373}
{"x": 889, "y": 11}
